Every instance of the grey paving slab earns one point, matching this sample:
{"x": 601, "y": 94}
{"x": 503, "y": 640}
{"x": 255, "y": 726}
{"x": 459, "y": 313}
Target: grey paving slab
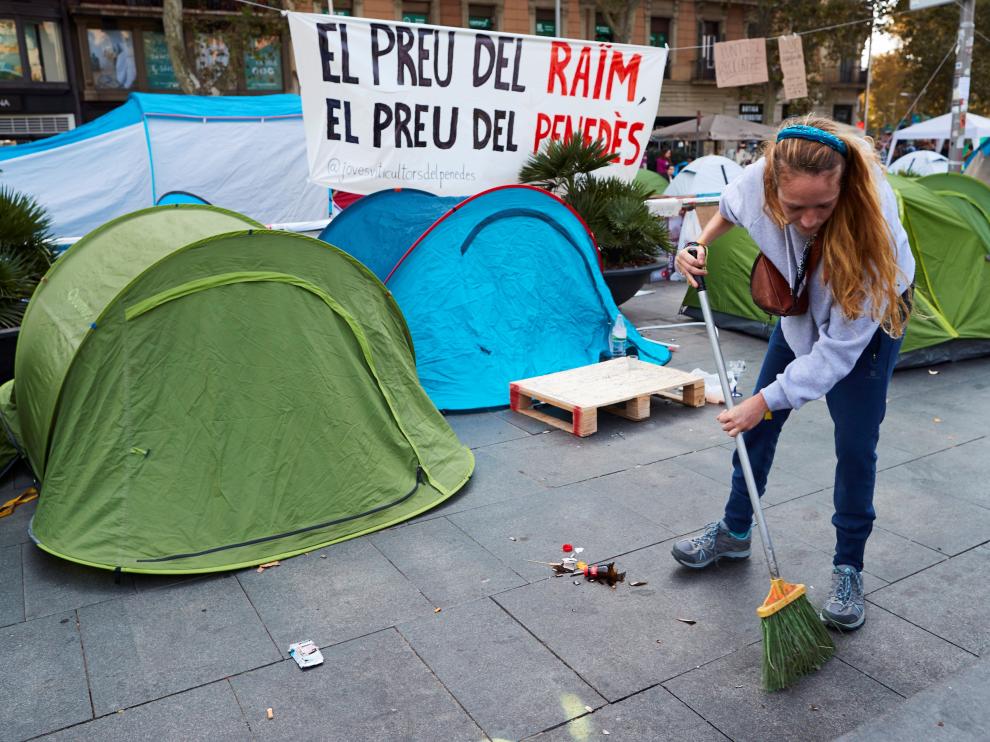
{"x": 152, "y": 644}
{"x": 819, "y": 706}
{"x": 11, "y": 585}
{"x": 519, "y": 531}
{"x": 949, "y": 599}
{"x": 14, "y": 528}
{"x": 42, "y": 676}
{"x": 446, "y": 564}
{"x": 962, "y": 472}
{"x": 559, "y": 458}
{"x": 888, "y": 555}
{"x": 954, "y": 709}
{"x": 920, "y": 382}
{"x": 924, "y": 425}
{"x": 897, "y": 653}
{"x": 493, "y": 481}
{"x": 509, "y": 683}
{"x": 716, "y": 463}
{"x": 665, "y": 493}
{"x": 206, "y": 714}
{"x": 652, "y": 715}
{"x": 934, "y": 519}
{"x": 372, "y": 688}
{"x": 354, "y": 591}
{"x": 637, "y": 639}
{"x": 483, "y": 429}
{"x": 52, "y": 585}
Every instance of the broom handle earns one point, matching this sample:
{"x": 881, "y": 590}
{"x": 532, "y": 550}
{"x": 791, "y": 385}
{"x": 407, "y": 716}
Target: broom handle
{"x": 747, "y": 469}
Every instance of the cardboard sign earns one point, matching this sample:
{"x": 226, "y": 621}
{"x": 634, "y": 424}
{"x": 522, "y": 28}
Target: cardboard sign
{"x": 742, "y": 62}
{"x": 792, "y": 65}
{"x": 455, "y": 111}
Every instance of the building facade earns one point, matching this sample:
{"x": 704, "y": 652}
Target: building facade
{"x": 63, "y": 62}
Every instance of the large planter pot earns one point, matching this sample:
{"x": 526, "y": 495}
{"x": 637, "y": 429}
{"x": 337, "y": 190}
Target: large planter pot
{"x": 8, "y": 346}
{"x": 625, "y": 282}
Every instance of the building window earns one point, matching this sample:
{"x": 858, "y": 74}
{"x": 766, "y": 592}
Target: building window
{"x": 603, "y": 32}
{"x": 710, "y": 34}
{"x": 43, "y": 41}
{"x": 263, "y": 63}
{"x": 843, "y": 113}
{"x": 546, "y": 22}
{"x": 415, "y": 12}
{"x": 481, "y": 17}
{"x": 660, "y": 36}
{"x": 10, "y": 51}
{"x": 751, "y": 112}
{"x": 111, "y": 59}
{"x": 344, "y": 8}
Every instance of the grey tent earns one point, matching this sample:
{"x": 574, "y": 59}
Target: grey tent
{"x": 715, "y": 128}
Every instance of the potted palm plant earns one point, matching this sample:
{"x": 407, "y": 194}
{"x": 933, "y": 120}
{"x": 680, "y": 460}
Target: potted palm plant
{"x": 26, "y": 252}
{"x": 630, "y": 238}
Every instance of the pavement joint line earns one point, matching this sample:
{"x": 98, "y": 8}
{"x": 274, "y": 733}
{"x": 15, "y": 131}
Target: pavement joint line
{"x": 82, "y": 651}
{"x": 240, "y": 706}
{"x": 436, "y": 677}
{"x": 845, "y": 662}
{"x": 404, "y": 575}
{"x": 278, "y": 649}
{"x": 494, "y": 556}
{"x": 550, "y": 650}
{"x": 919, "y": 626}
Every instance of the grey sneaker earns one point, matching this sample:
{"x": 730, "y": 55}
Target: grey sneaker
{"x": 845, "y": 607}
{"x": 713, "y": 544}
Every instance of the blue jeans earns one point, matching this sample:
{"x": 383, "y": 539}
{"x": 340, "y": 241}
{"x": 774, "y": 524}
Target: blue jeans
{"x": 857, "y": 405}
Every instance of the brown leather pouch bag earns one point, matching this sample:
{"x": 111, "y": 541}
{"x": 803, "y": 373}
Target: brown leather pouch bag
{"x": 770, "y": 289}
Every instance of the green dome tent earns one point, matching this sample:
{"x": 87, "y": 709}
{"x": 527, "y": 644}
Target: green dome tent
{"x": 196, "y": 398}
{"x": 950, "y": 239}
{"x": 653, "y": 180}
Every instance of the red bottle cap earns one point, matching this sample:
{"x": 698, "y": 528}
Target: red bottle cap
{"x": 567, "y": 548}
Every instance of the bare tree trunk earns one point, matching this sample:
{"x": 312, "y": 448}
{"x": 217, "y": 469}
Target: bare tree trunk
{"x": 175, "y": 42}
{"x": 620, "y": 15}
{"x": 290, "y": 6}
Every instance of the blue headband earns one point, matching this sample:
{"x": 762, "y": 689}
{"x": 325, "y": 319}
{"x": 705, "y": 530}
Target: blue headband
{"x": 813, "y": 134}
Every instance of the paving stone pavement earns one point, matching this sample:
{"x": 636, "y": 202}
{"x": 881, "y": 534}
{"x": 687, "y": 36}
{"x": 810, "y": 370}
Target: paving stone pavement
{"x": 446, "y": 628}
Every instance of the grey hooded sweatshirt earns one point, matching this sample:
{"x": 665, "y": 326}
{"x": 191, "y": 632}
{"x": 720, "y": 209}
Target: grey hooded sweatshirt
{"x": 826, "y": 344}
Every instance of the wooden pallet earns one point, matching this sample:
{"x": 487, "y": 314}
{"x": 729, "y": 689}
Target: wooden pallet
{"x": 622, "y": 386}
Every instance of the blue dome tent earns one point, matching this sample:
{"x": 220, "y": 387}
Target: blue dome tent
{"x": 379, "y": 228}
{"x": 504, "y": 285}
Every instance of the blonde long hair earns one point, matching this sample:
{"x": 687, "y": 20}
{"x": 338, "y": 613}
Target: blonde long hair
{"x": 858, "y": 260}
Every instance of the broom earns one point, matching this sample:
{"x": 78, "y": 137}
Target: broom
{"x": 794, "y": 640}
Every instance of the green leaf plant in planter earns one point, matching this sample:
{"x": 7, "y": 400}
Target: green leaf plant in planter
{"x": 26, "y": 253}
{"x": 630, "y": 238}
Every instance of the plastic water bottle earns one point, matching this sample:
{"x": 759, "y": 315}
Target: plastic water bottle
{"x": 617, "y": 338}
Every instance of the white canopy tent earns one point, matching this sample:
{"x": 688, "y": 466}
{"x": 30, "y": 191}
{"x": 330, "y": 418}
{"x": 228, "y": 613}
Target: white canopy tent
{"x": 920, "y": 162}
{"x": 939, "y": 129}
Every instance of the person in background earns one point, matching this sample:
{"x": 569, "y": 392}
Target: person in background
{"x": 664, "y": 161}
{"x": 816, "y": 186}
{"x": 669, "y": 175}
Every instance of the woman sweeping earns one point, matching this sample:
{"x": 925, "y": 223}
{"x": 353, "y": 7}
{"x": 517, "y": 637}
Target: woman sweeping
{"x": 822, "y": 214}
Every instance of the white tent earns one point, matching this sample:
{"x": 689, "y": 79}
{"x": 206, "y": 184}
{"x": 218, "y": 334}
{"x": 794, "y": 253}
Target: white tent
{"x": 245, "y": 153}
{"x": 706, "y": 175}
{"x": 921, "y": 162}
{"x": 939, "y": 129}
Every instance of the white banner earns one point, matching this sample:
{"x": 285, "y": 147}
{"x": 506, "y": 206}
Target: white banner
{"x": 453, "y": 111}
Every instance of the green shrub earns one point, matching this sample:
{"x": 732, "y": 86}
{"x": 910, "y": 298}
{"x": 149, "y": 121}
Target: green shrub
{"x": 614, "y": 210}
{"x": 26, "y": 252}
